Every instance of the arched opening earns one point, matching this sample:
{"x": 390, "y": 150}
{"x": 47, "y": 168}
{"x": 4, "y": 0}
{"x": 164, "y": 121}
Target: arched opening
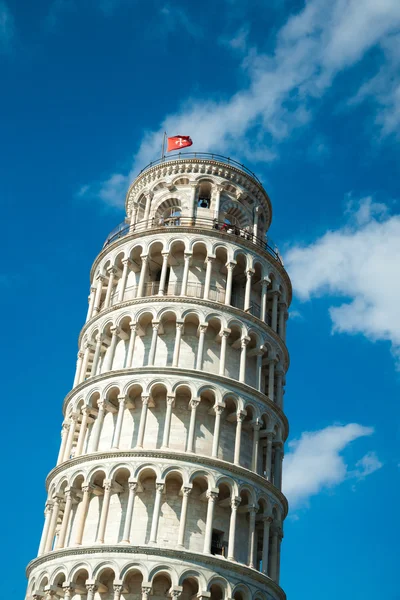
{"x": 131, "y": 419}
{"x": 212, "y": 345}
{"x": 118, "y": 506}
{"x": 189, "y": 342}
{"x": 228, "y": 430}
{"x": 133, "y": 584}
{"x": 143, "y": 340}
{"x": 190, "y": 588}
{"x": 143, "y": 508}
{"x": 180, "y": 419}
{"x": 204, "y": 196}
{"x": 166, "y": 339}
{"x": 222, "y": 513}
{"x": 239, "y": 282}
{"x": 205, "y": 422}
{"x": 161, "y": 587}
{"x": 170, "y": 514}
{"x": 197, "y": 514}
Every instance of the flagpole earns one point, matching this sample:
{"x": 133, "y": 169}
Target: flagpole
{"x": 163, "y": 145}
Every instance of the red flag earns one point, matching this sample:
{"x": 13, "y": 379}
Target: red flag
{"x": 178, "y": 141}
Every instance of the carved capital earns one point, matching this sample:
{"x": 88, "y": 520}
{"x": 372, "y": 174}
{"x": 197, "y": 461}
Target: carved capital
{"x": 159, "y": 488}
{"x": 193, "y": 403}
{"x": 212, "y": 495}
{"x": 132, "y": 485}
{"x": 145, "y": 400}
{"x": 186, "y": 490}
{"x": 218, "y": 409}
{"x": 170, "y": 400}
{"x": 235, "y": 501}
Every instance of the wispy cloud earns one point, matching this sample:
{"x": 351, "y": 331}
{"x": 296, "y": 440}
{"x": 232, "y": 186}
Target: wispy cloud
{"x": 322, "y": 40}
{"x": 7, "y": 27}
{"x": 315, "y": 462}
{"x": 359, "y": 261}
{"x": 175, "y": 18}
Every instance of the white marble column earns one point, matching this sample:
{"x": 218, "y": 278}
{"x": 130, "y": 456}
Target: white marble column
{"x": 207, "y": 282}
{"x": 240, "y": 416}
{"x": 218, "y": 409}
{"x": 163, "y": 276}
{"x": 200, "y": 348}
{"x": 81, "y": 514}
{"x": 278, "y": 466}
{"x": 142, "y": 424}
{"x": 129, "y": 512}
{"x": 82, "y": 431}
{"x": 112, "y": 271}
{"x": 229, "y": 277}
{"x": 235, "y": 501}
{"x": 70, "y": 439}
{"x": 131, "y": 346}
{"x": 117, "y": 589}
{"x": 242, "y": 369}
{"x": 192, "y": 202}
{"x": 273, "y": 557}
{"x": 274, "y": 319}
{"x": 68, "y": 591}
{"x": 53, "y": 523}
{"x": 218, "y": 189}
{"x": 107, "y": 484}
{"x": 97, "y": 427}
{"x": 193, "y": 404}
{"x": 156, "y": 513}
{"x": 133, "y": 217}
{"x": 99, "y": 290}
{"x": 124, "y": 278}
{"x": 259, "y": 369}
{"x": 78, "y": 368}
{"x": 153, "y": 347}
{"x": 265, "y": 549}
{"x": 247, "y": 293}
{"x": 65, "y": 519}
{"x": 64, "y": 436}
{"x": 177, "y": 346}
{"x": 95, "y": 364}
{"x": 268, "y": 457}
{"x": 91, "y": 590}
{"x": 118, "y": 425}
{"x": 271, "y": 378}
{"x": 47, "y": 518}
{"x": 186, "y": 490}
{"x": 185, "y": 275}
{"x": 115, "y": 331}
{"x": 264, "y": 298}
{"x": 212, "y": 496}
{"x": 167, "y": 423}
{"x": 252, "y": 536}
{"x": 224, "y": 334}
{"x": 279, "y": 374}
{"x": 86, "y": 354}
{"x": 149, "y": 196}
{"x": 281, "y": 323}
{"x": 256, "y": 445}
{"x": 143, "y": 274}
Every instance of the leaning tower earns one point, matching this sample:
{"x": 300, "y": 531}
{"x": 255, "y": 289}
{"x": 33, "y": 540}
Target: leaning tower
{"x": 168, "y": 478}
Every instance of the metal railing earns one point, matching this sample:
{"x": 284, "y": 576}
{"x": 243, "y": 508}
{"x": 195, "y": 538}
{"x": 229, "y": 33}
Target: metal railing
{"x": 207, "y": 224}
{"x": 225, "y": 160}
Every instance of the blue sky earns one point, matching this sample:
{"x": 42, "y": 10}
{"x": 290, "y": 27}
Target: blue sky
{"x": 308, "y": 96}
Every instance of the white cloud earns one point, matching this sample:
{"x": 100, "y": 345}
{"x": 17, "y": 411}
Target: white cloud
{"x": 175, "y": 18}
{"x": 6, "y": 27}
{"x": 367, "y": 464}
{"x": 384, "y": 89}
{"x": 314, "y": 462}
{"x": 324, "y": 38}
{"x": 359, "y": 261}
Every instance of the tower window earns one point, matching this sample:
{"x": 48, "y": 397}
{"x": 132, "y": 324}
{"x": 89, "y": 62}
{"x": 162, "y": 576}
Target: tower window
{"x": 204, "y": 200}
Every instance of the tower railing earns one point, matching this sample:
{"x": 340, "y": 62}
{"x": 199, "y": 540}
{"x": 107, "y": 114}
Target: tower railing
{"x": 225, "y": 160}
{"x": 199, "y": 222}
